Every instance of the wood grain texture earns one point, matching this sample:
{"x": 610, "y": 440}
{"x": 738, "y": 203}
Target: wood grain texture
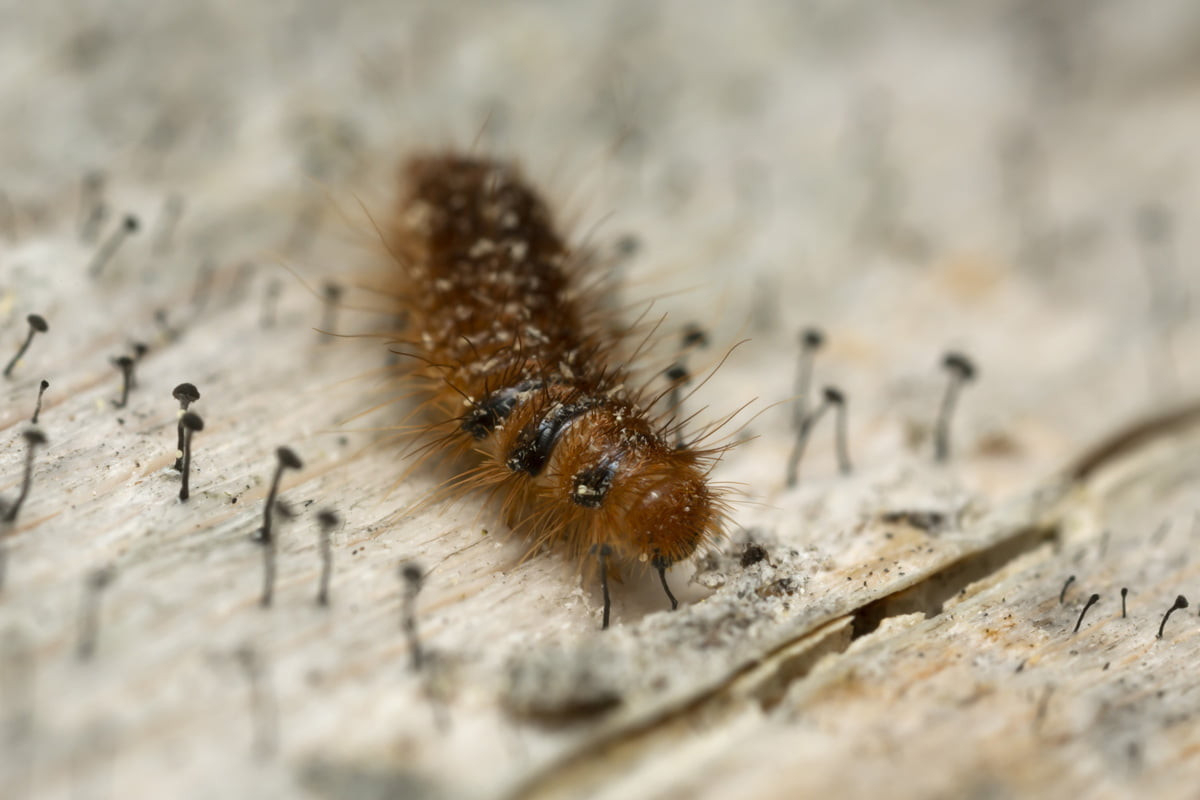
{"x": 1013, "y": 180}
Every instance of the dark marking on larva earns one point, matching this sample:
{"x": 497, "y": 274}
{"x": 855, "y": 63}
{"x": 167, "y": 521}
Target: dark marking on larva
{"x": 536, "y": 442}
{"x": 592, "y": 484}
{"x": 482, "y": 419}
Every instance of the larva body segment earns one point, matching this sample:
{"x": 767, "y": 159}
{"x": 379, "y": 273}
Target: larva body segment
{"x": 520, "y": 371}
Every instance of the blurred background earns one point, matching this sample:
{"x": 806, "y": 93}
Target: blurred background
{"x": 1012, "y": 179}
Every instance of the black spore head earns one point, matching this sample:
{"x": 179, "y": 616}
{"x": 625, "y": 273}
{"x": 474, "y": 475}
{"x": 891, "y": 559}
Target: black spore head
{"x": 627, "y": 245}
{"x": 99, "y": 579}
{"x": 37, "y": 322}
{"x": 34, "y": 437}
{"x": 191, "y": 421}
{"x": 834, "y": 396}
{"x": 328, "y": 518}
{"x": 186, "y": 394}
{"x": 694, "y": 336}
{"x": 131, "y": 223}
{"x": 288, "y": 458}
{"x": 411, "y": 574}
{"x": 677, "y": 372}
{"x": 812, "y": 338}
{"x": 960, "y": 365}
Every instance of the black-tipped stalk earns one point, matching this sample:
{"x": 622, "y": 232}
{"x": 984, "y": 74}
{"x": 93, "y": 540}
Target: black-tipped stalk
{"x": 92, "y": 208}
{"x": 1062, "y": 596}
{"x": 1124, "y": 594}
{"x": 165, "y": 332}
{"x": 661, "y": 565}
{"x": 89, "y": 614}
{"x": 8, "y": 217}
{"x": 140, "y": 349}
{"x": 305, "y": 228}
{"x": 204, "y": 281}
{"x": 37, "y": 410}
{"x": 837, "y": 399}
{"x": 262, "y": 703}
{"x": 126, "y": 365}
{"x": 270, "y": 303}
{"x": 186, "y": 394}
{"x": 332, "y": 293}
{"x": 811, "y": 340}
{"x": 129, "y": 225}
{"x": 190, "y": 423}
{"x": 677, "y": 374}
{"x": 239, "y": 289}
{"x": 33, "y": 439}
{"x": 1155, "y": 226}
{"x": 962, "y": 371}
{"x": 171, "y": 212}
{"x": 413, "y": 578}
{"x": 694, "y": 336}
{"x": 287, "y": 460}
{"x": 327, "y": 520}
{"x": 602, "y": 552}
{"x": 802, "y": 436}
{"x": 1180, "y": 603}
{"x": 1095, "y": 598}
{"x": 37, "y": 324}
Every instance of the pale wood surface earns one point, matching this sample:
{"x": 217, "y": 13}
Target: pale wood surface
{"x": 782, "y": 164}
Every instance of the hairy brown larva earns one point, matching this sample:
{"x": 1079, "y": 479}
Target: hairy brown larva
{"x": 519, "y": 369}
